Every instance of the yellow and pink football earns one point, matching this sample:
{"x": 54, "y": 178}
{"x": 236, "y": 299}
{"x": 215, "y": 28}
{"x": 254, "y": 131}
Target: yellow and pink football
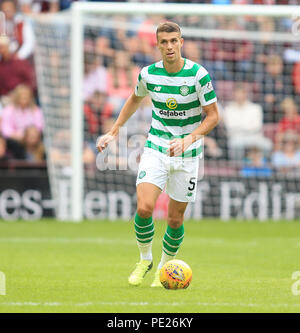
{"x": 176, "y": 274}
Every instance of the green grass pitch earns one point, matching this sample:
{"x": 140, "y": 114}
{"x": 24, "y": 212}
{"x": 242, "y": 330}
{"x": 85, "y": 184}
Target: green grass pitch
{"x": 237, "y": 266}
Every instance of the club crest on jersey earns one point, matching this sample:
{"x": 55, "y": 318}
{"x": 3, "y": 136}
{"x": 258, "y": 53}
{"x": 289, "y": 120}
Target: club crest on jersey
{"x": 171, "y": 103}
{"x": 142, "y": 174}
{"x": 184, "y": 90}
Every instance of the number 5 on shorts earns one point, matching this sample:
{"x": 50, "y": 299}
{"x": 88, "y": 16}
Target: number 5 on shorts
{"x": 193, "y": 184}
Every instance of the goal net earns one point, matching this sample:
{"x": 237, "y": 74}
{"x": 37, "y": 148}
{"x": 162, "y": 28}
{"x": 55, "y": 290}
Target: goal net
{"x": 88, "y": 61}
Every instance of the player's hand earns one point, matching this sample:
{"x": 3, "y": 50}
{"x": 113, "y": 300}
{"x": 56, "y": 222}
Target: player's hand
{"x": 179, "y": 146}
{"x": 176, "y": 147}
{"x": 103, "y": 141}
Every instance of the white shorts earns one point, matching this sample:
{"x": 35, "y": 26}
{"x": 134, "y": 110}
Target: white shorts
{"x": 178, "y": 176}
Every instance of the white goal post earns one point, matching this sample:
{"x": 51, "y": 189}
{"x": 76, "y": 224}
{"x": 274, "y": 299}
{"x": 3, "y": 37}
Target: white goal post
{"x": 80, "y": 10}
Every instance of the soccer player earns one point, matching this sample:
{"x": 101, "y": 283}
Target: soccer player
{"x": 179, "y": 89}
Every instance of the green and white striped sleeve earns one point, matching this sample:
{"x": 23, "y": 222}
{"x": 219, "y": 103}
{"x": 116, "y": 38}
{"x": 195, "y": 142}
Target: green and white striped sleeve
{"x": 205, "y": 90}
{"x": 141, "y": 87}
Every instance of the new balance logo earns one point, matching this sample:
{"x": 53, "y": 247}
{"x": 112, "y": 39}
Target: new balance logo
{"x": 157, "y": 88}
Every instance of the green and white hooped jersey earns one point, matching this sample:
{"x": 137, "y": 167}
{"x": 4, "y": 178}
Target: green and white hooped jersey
{"x": 177, "y": 99}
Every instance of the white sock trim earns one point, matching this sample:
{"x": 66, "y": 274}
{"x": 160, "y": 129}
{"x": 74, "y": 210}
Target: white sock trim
{"x": 145, "y": 250}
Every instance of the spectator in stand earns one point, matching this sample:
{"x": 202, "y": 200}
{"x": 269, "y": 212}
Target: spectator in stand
{"x": 255, "y": 164}
{"x": 233, "y": 57}
{"x": 96, "y": 112}
{"x": 221, "y": 2}
{"x": 288, "y": 158}
{"x": 95, "y": 76}
{"x": 147, "y": 29}
{"x": 192, "y": 49}
{"x": 4, "y": 155}
{"x": 52, "y": 6}
{"x": 33, "y": 144}
{"x": 10, "y": 149}
{"x": 118, "y": 36}
{"x": 18, "y": 30}
{"x": 296, "y": 79}
{"x": 275, "y": 2}
{"x": 21, "y": 113}
{"x": 25, "y": 6}
{"x": 57, "y": 63}
{"x": 244, "y": 124}
{"x": 275, "y": 85}
{"x": 13, "y": 71}
{"x": 140, "y": 51}
{"x": 289, "y": 122}
{"x": 44, "y": 6}
{"x": 104, "y": 50}
{"x": 65, "y": 4}
{"x": 121, "y": 79}
{"x": 265, "y": 47}
{"x": 113, "y": 37}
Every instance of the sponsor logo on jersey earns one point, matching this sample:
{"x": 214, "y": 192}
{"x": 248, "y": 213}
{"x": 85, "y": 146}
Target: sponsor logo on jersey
{"x": 184, "y": 90}
{"x": 174, "y": 113}
{"x": 157, "y": 88}
{"x": 171, "y": 103}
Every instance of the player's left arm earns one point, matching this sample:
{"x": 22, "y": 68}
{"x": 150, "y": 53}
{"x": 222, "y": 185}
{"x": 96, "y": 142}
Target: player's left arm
{"x": 178, "y": 146}
{"x": 209, "y": 123}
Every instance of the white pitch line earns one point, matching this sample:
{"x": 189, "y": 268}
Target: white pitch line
{"x": 216, "y": 242}
{"x": 99, "y": 240}
{"x": 85, "y": 304}
{"x": 66, "y": 240}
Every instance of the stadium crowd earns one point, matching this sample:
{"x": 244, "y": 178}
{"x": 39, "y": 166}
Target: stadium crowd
{"x": 257, "y": 84}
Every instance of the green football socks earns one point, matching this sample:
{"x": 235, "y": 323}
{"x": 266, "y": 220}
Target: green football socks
{"x": 171, "y": 243}
{"x": 144, "y": 230}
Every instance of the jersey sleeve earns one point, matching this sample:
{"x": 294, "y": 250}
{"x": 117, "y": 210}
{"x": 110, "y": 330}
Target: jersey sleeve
{"x": 205, "y": 90}
{"x": 141, "y": 86}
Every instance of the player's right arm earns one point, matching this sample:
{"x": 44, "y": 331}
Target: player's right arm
{"x": 127, "y": 111}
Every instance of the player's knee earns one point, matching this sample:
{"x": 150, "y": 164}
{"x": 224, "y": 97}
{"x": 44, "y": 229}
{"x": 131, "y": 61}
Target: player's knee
{"x": 175, "y": 221}
{"x": 145, "y": 210}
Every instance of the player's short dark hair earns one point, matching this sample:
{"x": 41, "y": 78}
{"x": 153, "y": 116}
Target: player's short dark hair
{"x": 168, "y": 27}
